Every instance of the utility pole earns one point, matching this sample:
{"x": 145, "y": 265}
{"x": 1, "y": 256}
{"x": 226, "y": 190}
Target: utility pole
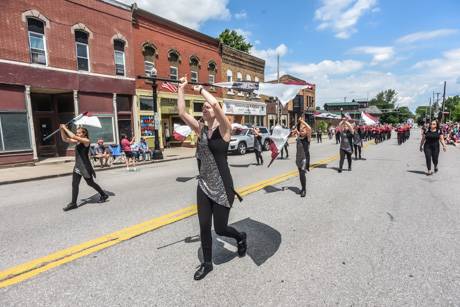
{"x": 443, "y": 102}
{"x": 430, "y": 107}
{"x": 278, "y": 105}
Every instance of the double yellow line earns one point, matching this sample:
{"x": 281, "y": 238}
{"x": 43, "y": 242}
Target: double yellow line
{"x": 32, "y": 268}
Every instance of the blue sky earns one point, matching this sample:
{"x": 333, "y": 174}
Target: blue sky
{"x": 349, "y": 48}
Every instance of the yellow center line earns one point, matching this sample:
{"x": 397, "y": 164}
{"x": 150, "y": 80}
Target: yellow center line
{"x": 32, "y": 268}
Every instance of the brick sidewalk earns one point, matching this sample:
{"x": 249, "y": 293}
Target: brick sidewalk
{"x": 64, "y": 166}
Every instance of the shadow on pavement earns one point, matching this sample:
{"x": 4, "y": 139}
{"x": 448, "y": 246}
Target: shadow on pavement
{"x": 323, "y": 165}
{"x": 263, "y": 242}
{"x": 272, "y": 189}
{"x": 185, "y": 179}
{"x": 94, "y": 199}
{"x": 242, "y": 165}
{"x": 296, "y": 190}
{"x": 416, "y": 172}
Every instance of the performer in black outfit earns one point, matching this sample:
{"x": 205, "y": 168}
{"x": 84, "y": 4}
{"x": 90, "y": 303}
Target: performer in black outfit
{"x": 346, "y": 143}
{"x": 358, "y": 136}
{"x": 258, "y": 146}
{"x": 303, "y": 133}
{"x": 215, "y": 191}
{"x": 430, "y": 145}
{"x": 83, "y": 167}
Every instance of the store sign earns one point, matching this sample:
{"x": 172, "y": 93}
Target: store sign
{"x": 244, "y": 108}
{"x": 147, "y": 125}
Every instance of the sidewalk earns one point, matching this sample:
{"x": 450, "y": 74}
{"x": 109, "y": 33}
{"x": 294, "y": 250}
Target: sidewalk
{"x": 63, "y": 166}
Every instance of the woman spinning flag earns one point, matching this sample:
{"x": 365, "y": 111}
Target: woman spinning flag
{"x": 215, "y": 191}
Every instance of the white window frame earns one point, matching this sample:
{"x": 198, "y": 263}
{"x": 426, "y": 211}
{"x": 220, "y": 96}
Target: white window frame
{"x": 239, "y": 78}
{"x": 212, "y": 80}
{"x": 87, "y": 52}
{"x": 43, "y": 36}
{"x": 248, "y": 77}
{"x": 177, "y": 72}
{"x": 191, "y": 76}
{"x": 230, "y": 79}
{"x": 124, "y": 62}
{"x": 148, "y": 73}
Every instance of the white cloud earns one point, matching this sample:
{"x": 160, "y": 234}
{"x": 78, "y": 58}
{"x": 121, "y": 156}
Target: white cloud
{"x": 342, "y": 15}
{"x": 257, "y": 42}
{"x": 325, "y": 68}
{"x": 268, "y": 54}
{"x": 379, "y": 54}
{"x": 426, "y": 35}
{"x": 244, "y": 33}
{"x": 241, "y": 15}
{"x": 446, "y": 67}
{"x": 184, "y": 12}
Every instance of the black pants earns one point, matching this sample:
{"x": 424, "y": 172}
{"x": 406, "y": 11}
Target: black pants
{"x": 207, "y": 209}
{"x": 259, "y": 158}
{"x": 303, "y": 179}
{"x": 337, "y": 138}
{"x": 357, "y": 151}
{"x": 76, "y": 186}
{"x": 344, "y": 153}
{"x": 431, "y": 153}
{"x": 319, "y": 138}
{"x": 282, "y": 151}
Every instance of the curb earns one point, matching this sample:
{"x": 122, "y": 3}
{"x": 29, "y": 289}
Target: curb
{"x": 96, "y": 170}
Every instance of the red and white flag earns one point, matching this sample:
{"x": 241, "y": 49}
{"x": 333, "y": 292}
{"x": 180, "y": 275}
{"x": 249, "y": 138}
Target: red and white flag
{"x": 169, "y": 86}
{"x": 180, "y": 133}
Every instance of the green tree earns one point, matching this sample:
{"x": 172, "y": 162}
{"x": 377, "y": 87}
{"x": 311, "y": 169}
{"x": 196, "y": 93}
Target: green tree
{"x": 385, "y": 101}
{"x": 233, "y": 39}
{"x": 456, "y": 113}
{"x": 322, "y": 125}
{"x": 404, "y": 114}
{"x": 421, "y": 113}
{"x": 451, "y": 104}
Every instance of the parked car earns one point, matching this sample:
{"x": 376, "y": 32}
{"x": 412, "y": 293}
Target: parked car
{"x": 243, "y": 139}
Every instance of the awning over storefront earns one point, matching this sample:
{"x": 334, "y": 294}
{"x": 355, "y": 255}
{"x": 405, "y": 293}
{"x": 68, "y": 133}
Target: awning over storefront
{"x": 241, "y": 107}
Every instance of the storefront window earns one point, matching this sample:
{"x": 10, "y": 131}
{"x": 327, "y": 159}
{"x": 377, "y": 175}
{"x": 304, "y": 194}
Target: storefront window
{"x": 14, "y": 132}
{"x": 123, "y": 103}
{"x": 146, "y": 104}
{"x": 198, "y": 107}
{"x": 105, "y": 133}
{"x": 147, "y": 125}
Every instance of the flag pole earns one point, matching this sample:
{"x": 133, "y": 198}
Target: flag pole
{"x": 69, "y": 122}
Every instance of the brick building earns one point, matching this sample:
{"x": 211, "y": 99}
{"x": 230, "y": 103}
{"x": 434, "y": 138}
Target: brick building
{"x": 174, "y": 51}
{"x": 240, "y": 66}
{"x": 304, "y": 104}
{"x": 59, "y": 58}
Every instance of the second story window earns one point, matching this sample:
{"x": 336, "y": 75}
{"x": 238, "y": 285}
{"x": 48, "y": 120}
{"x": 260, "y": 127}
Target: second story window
{"x": 37, "y": 41}
{"x": 119, "y": 53}
{"x": 81, "y": 44}
{"x": 149, "y": 60}
{"x": 194, "y": 68}
{"x": 174, "y": 59}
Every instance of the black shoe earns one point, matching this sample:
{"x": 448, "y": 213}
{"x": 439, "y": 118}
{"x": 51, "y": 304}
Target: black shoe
{"x": 242, "y": 245}
{"x": 339, "y": 170}
{"x": 435, "y": 169}
{"x": 103, "y": 198}
{"x": 204, "y": 269}
{"x": 349, "y": 169}
{"x": 303, "y": 193}
{"x": 70, "y": 206}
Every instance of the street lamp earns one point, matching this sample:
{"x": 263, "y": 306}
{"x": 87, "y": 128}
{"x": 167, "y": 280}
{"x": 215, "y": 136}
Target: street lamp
{"x": 157, "y": 154}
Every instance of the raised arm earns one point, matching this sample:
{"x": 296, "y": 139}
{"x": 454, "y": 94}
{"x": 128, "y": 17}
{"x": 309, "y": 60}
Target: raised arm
{"x": 350, "y": 127}
{"x": 188, "y": 119}
{"x": 225, "y": 127}
{"x": 73, "y": 138}
{"x": 64, "y": 136}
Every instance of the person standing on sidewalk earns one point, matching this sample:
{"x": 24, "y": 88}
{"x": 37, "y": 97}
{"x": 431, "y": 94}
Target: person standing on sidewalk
{"x": 258, "y": 146}
{"x": 302, "y": 160}
{"x": 215, "y": 191}
{"x": 126, "y": 147}
{"x": 430, "y": 145}
{"x": 346, "y": 143}
{"x": 83, "y": 167}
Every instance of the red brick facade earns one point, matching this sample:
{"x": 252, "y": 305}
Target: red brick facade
{"x": 165, "y": 35}
{"x": 104, "y": 21}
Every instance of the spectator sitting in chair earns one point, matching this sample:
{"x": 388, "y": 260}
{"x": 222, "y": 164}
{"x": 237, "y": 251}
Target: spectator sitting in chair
{"x": 102, "y": 153}
{"x": 135, "y": 148}
{"x": 144, "y": 149}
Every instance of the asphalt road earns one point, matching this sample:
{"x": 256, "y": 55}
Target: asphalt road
{"x": 382, "y": 235}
